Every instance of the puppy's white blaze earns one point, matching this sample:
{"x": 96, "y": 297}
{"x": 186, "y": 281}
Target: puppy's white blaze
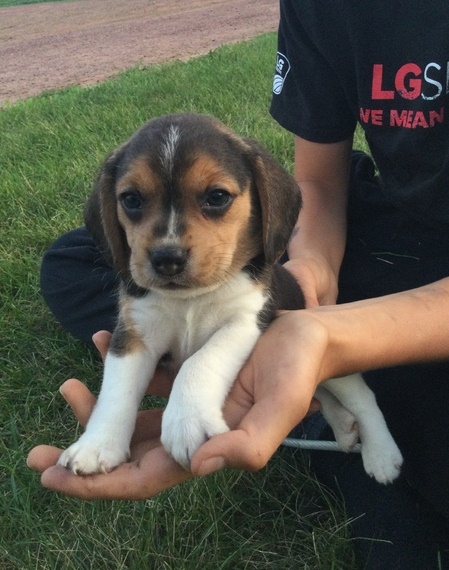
{"x": 172, "y": 224}
{"x": 169, "y": 148}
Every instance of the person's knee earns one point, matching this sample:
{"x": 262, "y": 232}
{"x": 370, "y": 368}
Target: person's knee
{"x": 78, "y": 285}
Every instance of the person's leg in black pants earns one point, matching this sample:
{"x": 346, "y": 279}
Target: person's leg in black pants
{"x": 78, "y": 285}
{"x": 404, "y": 525}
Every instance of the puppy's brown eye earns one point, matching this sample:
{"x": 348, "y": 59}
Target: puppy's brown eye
{"x": 131, "y": 201}
{"x": 216, "y": 200}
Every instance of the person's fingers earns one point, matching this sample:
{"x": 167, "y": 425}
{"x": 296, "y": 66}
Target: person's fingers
{"x": 162, "y": 382}
{"x": 148, "y": 425}
{"x": 42, "y": 457}
{"x": 141, "y": 479}
{"x": 146, "y": 437}
{"x": 251, "y": 445}
{"x": 233, "y": 449}
{"x": 79, "y": 398}
{"x": 82, "y": 401}
{"x": 102, "y": 340}
{"x": 315, "y": 407}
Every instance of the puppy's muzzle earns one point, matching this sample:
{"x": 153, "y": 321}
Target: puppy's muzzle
{"x": 168, "y": 261}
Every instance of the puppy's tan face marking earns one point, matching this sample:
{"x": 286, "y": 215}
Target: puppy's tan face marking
{"x": 203, "y": 211}
{"x": 218, "y": 221}
{"x": 139, "y": 182}
{"x": 185, "y": 202}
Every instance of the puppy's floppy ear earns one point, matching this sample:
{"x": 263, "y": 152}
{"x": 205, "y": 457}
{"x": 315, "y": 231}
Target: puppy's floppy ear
{"x": 100, "y": 216}
{"x": 280, "y": 201}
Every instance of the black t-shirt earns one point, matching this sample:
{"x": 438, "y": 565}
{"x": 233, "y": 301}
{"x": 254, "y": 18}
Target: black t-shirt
{"x": 384, "y": 65}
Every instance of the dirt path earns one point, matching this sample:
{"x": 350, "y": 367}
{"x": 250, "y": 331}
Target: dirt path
{"x": 48, "y": 46}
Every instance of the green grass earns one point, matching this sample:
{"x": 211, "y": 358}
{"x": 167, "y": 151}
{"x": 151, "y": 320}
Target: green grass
{"x": 51, "y": 149}
{"x": 4, "y": 3}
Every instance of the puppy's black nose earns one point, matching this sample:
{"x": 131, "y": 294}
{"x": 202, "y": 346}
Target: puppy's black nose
{"x": 168, "y": 261}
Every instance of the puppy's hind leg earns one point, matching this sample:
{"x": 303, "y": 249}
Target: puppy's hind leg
{"x": 343, "y": 423}
{"x": 381, "y": 456}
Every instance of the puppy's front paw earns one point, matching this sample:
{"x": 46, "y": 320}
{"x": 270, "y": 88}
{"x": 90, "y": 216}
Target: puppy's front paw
{"x": 382, "y": 460}
{"x": 93, "y": 455}
{"x": 183, "y": 433}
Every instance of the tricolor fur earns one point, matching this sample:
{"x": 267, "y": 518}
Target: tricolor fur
{"x": 194, "y": 219}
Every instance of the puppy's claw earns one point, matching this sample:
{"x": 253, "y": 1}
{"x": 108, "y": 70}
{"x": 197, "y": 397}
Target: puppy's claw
{"x": 87, "y": 458}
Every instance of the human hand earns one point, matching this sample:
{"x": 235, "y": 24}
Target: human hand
{"x": 318, "y": 282}
{"x": 319, "y": 286}
{"x": 270, "y": 396}
{"x": 150, "y": 469}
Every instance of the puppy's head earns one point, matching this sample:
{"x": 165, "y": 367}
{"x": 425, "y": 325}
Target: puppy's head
{"x": 186, "y": 203}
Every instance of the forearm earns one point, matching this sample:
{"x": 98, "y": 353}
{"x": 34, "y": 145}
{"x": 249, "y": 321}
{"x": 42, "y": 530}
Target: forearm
{"x": 403, "y": 328}
{"x": 317, "y": 245}
{"x": 322, "y": 172}
{"x": 320, "y": 233}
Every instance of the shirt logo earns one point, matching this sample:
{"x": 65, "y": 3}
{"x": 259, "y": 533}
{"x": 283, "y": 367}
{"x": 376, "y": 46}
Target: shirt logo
{"x": 427, "y": 87}
{"x": 282, "y": 69}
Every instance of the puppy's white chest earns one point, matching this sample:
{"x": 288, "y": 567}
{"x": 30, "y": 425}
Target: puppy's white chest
{"x": 192, "y": 326}
{"x": 181, "y": 326}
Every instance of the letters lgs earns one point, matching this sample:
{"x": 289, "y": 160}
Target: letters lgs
{"x": 410, "y": 82}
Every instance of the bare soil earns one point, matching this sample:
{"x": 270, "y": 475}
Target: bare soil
{"x": 52, "y": 45}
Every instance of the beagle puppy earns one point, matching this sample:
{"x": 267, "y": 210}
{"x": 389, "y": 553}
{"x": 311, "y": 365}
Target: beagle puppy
{"x": 194, "y": 218}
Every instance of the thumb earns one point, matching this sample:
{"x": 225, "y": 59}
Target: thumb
{"x": 102, "y": 340}
{"x": 252, "y": 444}
{"x": 79, "y": 398}
{"x": 234, "y": 449}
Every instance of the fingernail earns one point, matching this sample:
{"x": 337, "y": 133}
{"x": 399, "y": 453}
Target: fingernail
{"x": 211, "y": 466}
